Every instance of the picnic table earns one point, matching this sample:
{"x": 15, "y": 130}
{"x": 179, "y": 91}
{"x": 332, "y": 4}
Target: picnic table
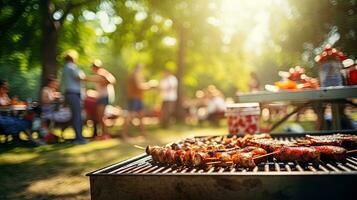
{"x": 336, "y": 96}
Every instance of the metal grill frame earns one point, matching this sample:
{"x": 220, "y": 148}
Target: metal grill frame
{"x": 222, "y": 185}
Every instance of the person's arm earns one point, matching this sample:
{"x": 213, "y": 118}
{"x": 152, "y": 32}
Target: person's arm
{"x": 45, "y": 96}
{"x": 77, "y": 73}
{"x": 139, "y": 80}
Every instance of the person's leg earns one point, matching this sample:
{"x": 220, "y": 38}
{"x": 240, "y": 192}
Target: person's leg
{"x": 141, "y": 124}
{"x": 139, "y": 108}
{"x": 75, "y": 106}
{"x": 171, "y": 111}
{"x": 101, "y": 119}
{"x": 95, "y": 130}
{"x": 127, "y": 121}
{"x": 164, "y": 114}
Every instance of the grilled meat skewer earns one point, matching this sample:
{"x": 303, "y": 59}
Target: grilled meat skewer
{"x": 303, "y": 154}
{"x": 249, "y": 150}
{"x": 331, "y": 152}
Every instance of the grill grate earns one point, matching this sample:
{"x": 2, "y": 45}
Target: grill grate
{"x": 143, "y": 165}
{"x": 146, "y": 166}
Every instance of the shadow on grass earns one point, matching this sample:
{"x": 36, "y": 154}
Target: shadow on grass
{"x": 53, "y": 161}
{"x": 46, "y": 172}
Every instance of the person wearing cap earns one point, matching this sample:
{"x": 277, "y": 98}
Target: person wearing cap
{"x": 71, "y": 79}
{"x": 103, "y": 81}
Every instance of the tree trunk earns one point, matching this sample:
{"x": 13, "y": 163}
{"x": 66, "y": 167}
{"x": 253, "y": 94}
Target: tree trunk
{"x": 50, "y": 31}
{"x": 180, "y": 113}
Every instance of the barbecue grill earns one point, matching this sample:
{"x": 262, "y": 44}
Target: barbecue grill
{"x": 141, "y": 178}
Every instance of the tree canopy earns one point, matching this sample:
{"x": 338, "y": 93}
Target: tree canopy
{"x": 203, "y": 41}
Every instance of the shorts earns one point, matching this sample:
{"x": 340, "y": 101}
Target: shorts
{"x": 103, "y": 101}
{"x": 135, "y": 105}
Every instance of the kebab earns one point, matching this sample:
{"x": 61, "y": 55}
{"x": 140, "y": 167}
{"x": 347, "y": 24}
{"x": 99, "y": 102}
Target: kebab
{"x": 343, "y": 140}
{"x": 241, "y": 157}
{"x": 289, "y": 151}
{"x": 207, "y": 151}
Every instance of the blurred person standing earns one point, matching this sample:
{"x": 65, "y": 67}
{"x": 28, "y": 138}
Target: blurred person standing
{"x": 254, "y": 84}
{"x": 168, "y": 92}
{"x": 71, "y": 78}
{"x": 103, "y": 81}
{"x": 136, "y": 86}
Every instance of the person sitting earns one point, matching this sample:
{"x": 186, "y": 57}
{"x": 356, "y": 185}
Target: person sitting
{"x": 52, "y": 112}
{"x": 11, "y": 125}
{"x": 4, "y": 97}
{"x": 50, "y": 97}
{"x": 216, "y": 105}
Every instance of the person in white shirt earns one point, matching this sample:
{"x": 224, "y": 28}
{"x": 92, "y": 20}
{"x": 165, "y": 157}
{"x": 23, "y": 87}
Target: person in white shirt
{"x": 168, "y": 92}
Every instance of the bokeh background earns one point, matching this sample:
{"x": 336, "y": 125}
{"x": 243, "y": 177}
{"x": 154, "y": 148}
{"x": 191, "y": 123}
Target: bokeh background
{"x": 203, "y": 41}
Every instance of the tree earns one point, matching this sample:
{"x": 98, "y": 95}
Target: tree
{"x": 190, "y": 25}
{"x": 26, "y": 24}
{"x": 310, "y": 24}
{"x": 54, "y": 14}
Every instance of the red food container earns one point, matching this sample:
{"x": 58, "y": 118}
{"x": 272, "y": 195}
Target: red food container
{"x": 243, "y": 118}
{"x": 352, "y": 75}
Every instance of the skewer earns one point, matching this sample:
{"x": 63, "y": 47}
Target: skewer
{"x": 352, "y": 151}
{"x": 213, "y": 158}
{"x": 139, "y": 147}
{"x": 228, "y": 150}
{"x": 212, "y": 163}
{"x": 265, "y": 155}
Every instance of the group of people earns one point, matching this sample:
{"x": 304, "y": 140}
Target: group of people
{"x": 57, "y": 107}
{"x": 136, "y": 86}
{"x": 10, "y": 124}
{"x": 72, "y": 77}
{"x": 209, "y": 104}
{"x": 51, "y": 101}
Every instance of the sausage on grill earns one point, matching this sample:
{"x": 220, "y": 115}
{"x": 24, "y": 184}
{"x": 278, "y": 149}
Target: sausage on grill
{"x": 332, "y": 152}
{"x": 303, "y": 154}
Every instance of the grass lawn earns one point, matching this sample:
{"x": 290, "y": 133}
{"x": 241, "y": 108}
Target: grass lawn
{"x": 58, "y": 171}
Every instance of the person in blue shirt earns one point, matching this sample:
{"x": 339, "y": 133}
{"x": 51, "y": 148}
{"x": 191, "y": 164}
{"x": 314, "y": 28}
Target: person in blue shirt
{"x": 72, "y": 77}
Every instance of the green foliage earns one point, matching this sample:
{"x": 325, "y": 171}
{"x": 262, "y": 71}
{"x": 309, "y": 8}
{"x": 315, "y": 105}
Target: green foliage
{"x": 147, "y": 31}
